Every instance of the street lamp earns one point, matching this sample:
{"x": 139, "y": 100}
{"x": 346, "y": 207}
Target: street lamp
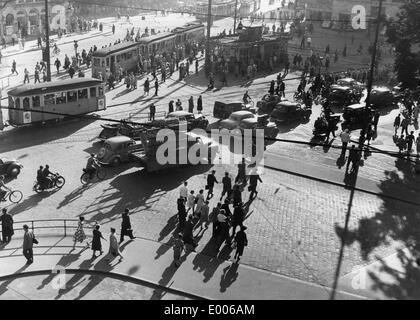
{"x": 47, "y": 42}
{"x": 207, "y": 63}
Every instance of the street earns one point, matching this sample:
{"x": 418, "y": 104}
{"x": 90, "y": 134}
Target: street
{"x": 295, "y": 223}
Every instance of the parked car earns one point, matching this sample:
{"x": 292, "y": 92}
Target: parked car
{"x": 352, "y": 83}
{"x": 290, "y": 111}
{"x": 117, "y": 150}
{"x": 234, "y": 119}
{"x": 270, "y": 128}
{"x": 342, "y": 96}
{"x": 356, "y": 117}
{"x": 382, "y": 97}
{"x": 267, "y": 103}
{"x": 193, "y": 120}
{"x": 223, "y": 110}
{"x": 10, "y": 168}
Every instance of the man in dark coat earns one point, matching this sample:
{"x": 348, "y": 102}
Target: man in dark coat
{"x": 227, "y": 186}
{"x": 126, "y": 226}
{"x": 6, "y": 226}
{"x": 211, "y": 179}
{"x": 188, "y": 237}
{"x": 241, "y": 242}
{"x": 182, "y": 212}
{"x": 253, "y": 181}
{"x": 353, "y": 158}
{"x": 191, "y": 105}
{"x": 237, "y": 217}
{"x": 200, "y": 104}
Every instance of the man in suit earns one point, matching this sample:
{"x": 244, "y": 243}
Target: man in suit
{"x": 28, "y": 243}
{"x": 126, "y": 226}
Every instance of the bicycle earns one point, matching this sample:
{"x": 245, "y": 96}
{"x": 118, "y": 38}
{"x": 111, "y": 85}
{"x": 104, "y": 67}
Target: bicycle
{"x": 14, "y": 196}
{"x": 56, "y": 52}
{"x": 100, "y": 174}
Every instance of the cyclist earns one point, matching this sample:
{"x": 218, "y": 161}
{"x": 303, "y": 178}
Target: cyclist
{"x": 92, "y": 165}
{"x": 56, "y": 50}
{"x": 3, "y": 189}
{"x": 246, "y": 98}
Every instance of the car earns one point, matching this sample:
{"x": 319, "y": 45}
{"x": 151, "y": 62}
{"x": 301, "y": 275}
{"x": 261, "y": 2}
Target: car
{"x": 350, "y": 82}
{"x": 193, "y": 120}
{"x": 10, "y": 168}
{"x": 267, "y": 103}
{"x": 223, "y": 110}
{"x": 356, "y": 116}
{"x": 234, "y": 119}
{"x": 382, "y": 97}
{"x": 342, "y": 96}
{"x": 326, "y": 24}
{"x": 291, "y": 111}
{"x": 270, "y": 128}
{"x": 117, "y": 149}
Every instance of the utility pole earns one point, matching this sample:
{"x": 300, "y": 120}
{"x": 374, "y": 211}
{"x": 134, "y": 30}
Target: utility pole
{"x": 209, "y": 20}
{"x": 236, "y": 13}
{"x": 373, "y": 62}
{"x": 47, "y": 42}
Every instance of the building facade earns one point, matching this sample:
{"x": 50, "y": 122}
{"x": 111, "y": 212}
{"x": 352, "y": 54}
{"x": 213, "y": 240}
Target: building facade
{"x": 26, "y": 18}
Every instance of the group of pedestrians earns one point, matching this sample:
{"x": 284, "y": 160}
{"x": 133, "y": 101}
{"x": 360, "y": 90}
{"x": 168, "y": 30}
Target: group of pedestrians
{"x": 406, "y": 140}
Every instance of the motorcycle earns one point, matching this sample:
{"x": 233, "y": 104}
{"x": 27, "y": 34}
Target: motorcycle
{"x": 56, "y": 181}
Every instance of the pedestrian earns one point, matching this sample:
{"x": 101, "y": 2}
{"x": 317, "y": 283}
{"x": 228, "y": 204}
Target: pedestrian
{"x": 171, "y": 106}
{"x": 345, "y": 51}
{"x": 96, "y": 241}
{"x": 188, "y": 236}
{"x": 241, "y": 242}
{"x": 183, "y": 191}
{"x": 146, "y": 87}
{"x": 401, "y": 143}
{"x": 28, "y": 243}
{"x": 152, "y": 112}
{"x": 236, "y": 195}
{"x": 410, "y": 141}
{"x": 196, "y": 66}
{"x": 241, "y": 176}
{"x": 26, "y": 77}
{"x": 182, "y": 213}
{"x": 271, "y": 90}
{"x": 211, "y": 180}
{"x": 114, "y": 249}
{"x": 253, "y": 182}
{"x": 369, "y": 134}
{"x": 237, "y": 217}
{"x": 213, "y": 217}
{"x": 345, "y": 139}
{"x": 404, "y": 125}
{"x": 226, "y": 208}
{"x": 199, "y": 201}
{"x": 204, "y": 216}
{"x": 223, "y": 233}
{"x": 191, "y": 201}
{"x": 376, "y": 120}
{"x": 397, "y": 122}
{"x": 71, "y": 71}
{"x": 178, "y": 248}
{"x": 79, "y": 235}
{"x": 156, "y": 87}
{"x": 126, "y": 226}
{"x": 200, "y": 104}
{"x": 57, "y": 64}
{"x": 227, "y": 186}
{"x": 191, "y": 105}
{"x": 178, "y": 105}
{"x": 6, "y": 226}
{"x": 282, "y": 89}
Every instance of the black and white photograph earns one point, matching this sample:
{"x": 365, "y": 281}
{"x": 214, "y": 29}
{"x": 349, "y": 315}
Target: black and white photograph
{"x": 210, "y": 154}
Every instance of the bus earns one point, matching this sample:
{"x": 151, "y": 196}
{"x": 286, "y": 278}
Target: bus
{"x": 34, "y": 103}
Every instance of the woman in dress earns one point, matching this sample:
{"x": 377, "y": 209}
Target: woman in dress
{"x": 191, "y": 201}
{"x": 114, "y": 249}
{"x": 96, "y": 241}
{"x": 79, "y": 235}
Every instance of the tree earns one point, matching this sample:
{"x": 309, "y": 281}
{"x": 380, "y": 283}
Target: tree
{"x": 404, "y": 34}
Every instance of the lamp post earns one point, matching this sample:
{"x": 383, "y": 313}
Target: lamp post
{"x": 234, "y": 20}
{"x": 47, "y": 42}
{"x": 207, "y": 64}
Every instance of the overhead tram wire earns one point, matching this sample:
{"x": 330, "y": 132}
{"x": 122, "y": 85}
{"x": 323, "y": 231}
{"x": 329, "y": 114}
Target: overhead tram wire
{"x": 199, "y": 13}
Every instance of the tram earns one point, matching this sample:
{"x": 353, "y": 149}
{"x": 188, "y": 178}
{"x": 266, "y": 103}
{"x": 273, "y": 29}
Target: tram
{"x": 126, "y": 54}
{"x": 52, "y": 101}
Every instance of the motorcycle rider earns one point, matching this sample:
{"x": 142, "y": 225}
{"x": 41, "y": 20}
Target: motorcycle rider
{"x": 92, "y": 165}
{"x": 40, "y": 177}
{"x": 246, "y": 98}
{"x": 3, "y": 189}
{"x": 47, "y": 174}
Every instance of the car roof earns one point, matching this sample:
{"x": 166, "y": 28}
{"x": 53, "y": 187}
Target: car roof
{"x": 179, "y": 114}
{"x": 241, "y": 113}
{"x": 381, "y": 89}
{"x": 340, "y": 87}
{"x": 287, "y": 103}
{"x": 346, "y": 79}
{"x": 356, "y": 106}
{"x": 118, "y": 140}
{"x": 250, "y": 120}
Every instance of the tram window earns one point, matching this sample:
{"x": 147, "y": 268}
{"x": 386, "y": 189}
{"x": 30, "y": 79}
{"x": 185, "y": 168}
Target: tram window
{"x": 101, "y": 91}
{"x": 92, "y": 92}
{"x": 26, "y": 103}
{"x": 128, "y": 55}
{"x": 49, "y": 99}
{"x": 107, "y": 62}
{"x": 71, "y": 96}
{"x": 83, "y": 94}
{"x": 11, "y": 102}
{"x": 103, "y": 63}
{"x": 96, "y": 62}
{"x": 118, "y": 58}
{"x": 36, "y": 101}
{"x": 60, "y": 98}
{"x": 17, "y": 102}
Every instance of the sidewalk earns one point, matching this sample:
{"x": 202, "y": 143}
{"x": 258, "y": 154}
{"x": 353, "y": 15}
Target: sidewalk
{"x": 199, "y": 274}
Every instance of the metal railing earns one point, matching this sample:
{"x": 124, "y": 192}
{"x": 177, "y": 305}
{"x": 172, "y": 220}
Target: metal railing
{"x": 62, "y": 226}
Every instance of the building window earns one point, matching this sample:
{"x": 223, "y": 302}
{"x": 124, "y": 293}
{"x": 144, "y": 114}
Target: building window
{"x": 10, "y": 20}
